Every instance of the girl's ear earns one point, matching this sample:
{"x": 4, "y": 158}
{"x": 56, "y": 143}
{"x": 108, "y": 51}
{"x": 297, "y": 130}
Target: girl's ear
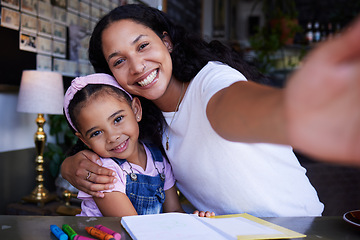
{"x": 137, "y": 109}
{"x": 167, "y": 41}
{"x": 82, "y": 139}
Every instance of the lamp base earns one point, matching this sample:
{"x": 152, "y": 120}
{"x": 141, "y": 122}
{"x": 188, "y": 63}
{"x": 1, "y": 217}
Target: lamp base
{"x": 40, "y": 195}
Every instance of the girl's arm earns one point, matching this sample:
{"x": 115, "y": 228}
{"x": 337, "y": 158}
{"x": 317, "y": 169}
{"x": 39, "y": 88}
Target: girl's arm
{"x": 317, "y": 112}
{"x": 115, "y": 204}
{"x": 75, "y": 169}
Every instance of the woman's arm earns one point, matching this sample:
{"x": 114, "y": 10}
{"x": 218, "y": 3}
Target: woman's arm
{"x": 115, "y": 204}
{"x": 76, "y": 168}
{"x": 172, "y": 204}
{"x": 317, "y": 112}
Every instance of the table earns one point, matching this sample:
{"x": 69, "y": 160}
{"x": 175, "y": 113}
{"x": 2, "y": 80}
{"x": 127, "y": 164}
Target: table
{"x": 38, "y": 227}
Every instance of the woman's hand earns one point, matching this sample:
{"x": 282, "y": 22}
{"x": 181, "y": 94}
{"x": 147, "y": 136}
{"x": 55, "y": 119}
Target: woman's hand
{"x": 322, "y": 100}
{"x": 204, "y": 214}
{"x": 83, "y": 170}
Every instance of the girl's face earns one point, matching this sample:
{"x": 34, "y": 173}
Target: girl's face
{"x": 138, "y": 58}
{"x": 109, "y": 126}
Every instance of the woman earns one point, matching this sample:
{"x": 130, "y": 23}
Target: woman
{"x": 206, "y": 105}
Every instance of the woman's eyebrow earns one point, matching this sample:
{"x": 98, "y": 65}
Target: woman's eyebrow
{"x": 132, "y": 43}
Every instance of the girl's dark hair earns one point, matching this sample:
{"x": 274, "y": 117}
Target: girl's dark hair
{"x": 190, "y": 52}
{"x": 149, "y": 127}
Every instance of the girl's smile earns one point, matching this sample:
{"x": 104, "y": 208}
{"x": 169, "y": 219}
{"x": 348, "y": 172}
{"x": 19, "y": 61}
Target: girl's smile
{"x": 114, "y": 132}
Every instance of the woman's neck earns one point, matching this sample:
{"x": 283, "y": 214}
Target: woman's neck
{"x": 173, "y": 96}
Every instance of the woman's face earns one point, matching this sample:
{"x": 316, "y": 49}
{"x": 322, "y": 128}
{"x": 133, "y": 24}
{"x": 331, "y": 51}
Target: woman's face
{"x": 138, "y": 58}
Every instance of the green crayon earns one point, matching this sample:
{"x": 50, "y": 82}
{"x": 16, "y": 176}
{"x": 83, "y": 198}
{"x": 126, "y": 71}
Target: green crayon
{"x": 69, "y": 231}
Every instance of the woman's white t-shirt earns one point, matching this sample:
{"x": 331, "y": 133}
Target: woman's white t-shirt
{"x": 227, "y": 177}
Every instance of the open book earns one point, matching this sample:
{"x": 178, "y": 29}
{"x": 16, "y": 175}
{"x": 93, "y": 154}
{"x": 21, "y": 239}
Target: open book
{"x": 189, "y": 226}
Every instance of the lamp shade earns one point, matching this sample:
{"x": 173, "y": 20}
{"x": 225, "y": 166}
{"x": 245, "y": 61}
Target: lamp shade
{"x": 41, "y": 92}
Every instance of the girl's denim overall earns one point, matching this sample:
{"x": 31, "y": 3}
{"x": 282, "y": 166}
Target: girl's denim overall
{"x": 146, "y": 193}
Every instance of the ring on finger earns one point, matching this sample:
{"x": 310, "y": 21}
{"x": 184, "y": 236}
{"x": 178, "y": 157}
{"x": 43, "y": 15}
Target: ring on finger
{"x": 88, "y": 176}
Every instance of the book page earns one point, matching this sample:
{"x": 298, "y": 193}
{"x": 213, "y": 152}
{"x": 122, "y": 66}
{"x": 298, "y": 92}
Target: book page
{"x": 168, "y": 226}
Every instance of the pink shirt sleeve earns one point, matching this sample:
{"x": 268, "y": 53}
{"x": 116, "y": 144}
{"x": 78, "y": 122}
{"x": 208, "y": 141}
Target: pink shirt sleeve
{"x": 169, "y": 176}
{"x": 119, "y": 186}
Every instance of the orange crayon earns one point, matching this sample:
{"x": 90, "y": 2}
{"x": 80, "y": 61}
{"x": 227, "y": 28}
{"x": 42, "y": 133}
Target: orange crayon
{"x": 99, "y": 234}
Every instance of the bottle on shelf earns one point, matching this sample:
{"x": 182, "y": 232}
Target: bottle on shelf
{"x": 309, "y": 33}
{"x": 317, "y": 33}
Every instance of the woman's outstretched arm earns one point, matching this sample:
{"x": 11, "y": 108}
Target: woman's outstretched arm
{"x": 83, "y": 170}
{"x": 317, "y": 112}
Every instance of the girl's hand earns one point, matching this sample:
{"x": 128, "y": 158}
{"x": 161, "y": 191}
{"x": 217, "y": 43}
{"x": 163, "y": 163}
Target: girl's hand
{"x": 204, "y": 214}
{"x": 83, "y": 170}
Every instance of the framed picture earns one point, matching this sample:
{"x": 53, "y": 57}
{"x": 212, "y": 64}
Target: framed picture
{"x": 73, "y": 5}
{"x": 44, "y": 45}
{"x": 44, "y": 10}
{"x": 29, "y": 23}
{"x": 59, "y": 49}
{"x": 29, "y": 6}
{"x": 15, "y": 4}
{"x": 27, "y": 42}
{"x": 84, "y": 9}
{"x": 95, "y": 13}
{"x": 43, "y": 62}
{"x": 10, "y": 18}
{"x": 59, "y": 15}
{"x": 59, "y": 3}
{"x": 105, "y": 4}
{"x": 59, "y": 65}
{"x": 59, "y": 32}
{"x": 44, "y": 27}
{"x": 84, "y": 23}
{"x": 72, "y": 19}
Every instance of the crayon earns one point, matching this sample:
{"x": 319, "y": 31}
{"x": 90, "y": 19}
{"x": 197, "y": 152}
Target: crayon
{"x": 79, "y": 237}
{"x": 99, "y": 234}
{"x": 69, "y": 231}
{"x": 58, "y": 232}
{"x": 116, "y": 235}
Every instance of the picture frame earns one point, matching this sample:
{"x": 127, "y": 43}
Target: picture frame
{"x": 43, "y": 62}
{"x": 73, "y": 5}
{"x": 59, "y": 31}
{"x": 14, "y": 4}
{"x": 44, "y": 45}
{"x": 44, "y": 28}
{"x": 59, "y": 49}
{"x": 72, "y": 19}
{"x": 29, "y": 23}
{"x": 29, "y": 6}
{"x": 59, "y": 3}
{"x": 27, "y": 41}
{"x": 84, "y": 9}
{"x": 59, "y": 15}
{"x": 44, "y": 10}
{"x": 10, "y": 18}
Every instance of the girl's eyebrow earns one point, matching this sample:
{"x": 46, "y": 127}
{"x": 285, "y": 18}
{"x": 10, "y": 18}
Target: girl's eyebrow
{"x": 114, "y": 114}
{"x": 88, "y": 132}
{"x": 132, "y": 43}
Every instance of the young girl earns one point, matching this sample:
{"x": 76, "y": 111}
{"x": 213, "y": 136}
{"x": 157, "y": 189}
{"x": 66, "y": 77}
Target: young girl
{"x": 228, "y": 139}
{"x": 106, "y": 118}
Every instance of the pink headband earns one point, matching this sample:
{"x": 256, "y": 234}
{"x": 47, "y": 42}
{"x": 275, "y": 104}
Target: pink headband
{"x": 80, "y": 82}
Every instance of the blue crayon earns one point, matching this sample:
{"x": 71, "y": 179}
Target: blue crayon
{"x": 58, "y": 232}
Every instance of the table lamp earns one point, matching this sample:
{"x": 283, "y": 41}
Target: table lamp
{"x": 42, "y": 93}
